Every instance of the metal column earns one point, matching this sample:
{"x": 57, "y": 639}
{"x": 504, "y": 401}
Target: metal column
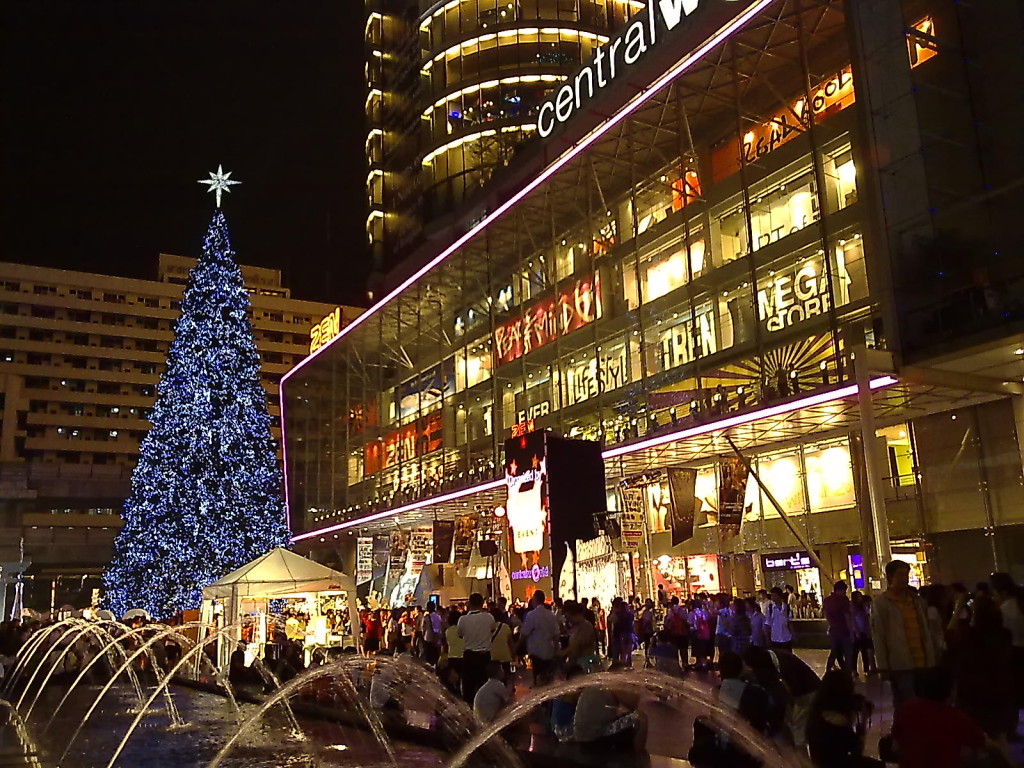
{"x": 872, "y": 459}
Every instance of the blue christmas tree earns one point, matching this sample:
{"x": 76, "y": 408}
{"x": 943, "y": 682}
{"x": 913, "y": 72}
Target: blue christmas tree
{"x": 206, "y": 492}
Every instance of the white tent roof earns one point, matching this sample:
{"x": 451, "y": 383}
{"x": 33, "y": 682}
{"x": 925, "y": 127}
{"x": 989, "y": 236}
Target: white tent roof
{"x": 279, "y": 572}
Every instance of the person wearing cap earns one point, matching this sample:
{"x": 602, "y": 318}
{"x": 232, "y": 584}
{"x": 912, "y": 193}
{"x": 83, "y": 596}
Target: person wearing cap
{"x": 608, "y": 720}
{"x": 840, "y": 628}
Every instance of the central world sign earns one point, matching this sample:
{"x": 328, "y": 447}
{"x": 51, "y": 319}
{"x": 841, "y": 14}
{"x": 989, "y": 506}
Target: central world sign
{"x": 612, "y": 59}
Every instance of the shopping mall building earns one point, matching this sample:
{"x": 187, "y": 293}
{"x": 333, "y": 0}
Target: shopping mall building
{"x": 776, "y": 229}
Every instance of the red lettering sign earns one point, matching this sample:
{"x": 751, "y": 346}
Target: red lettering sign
{"x": 546, "y": 320}
{"x": 413, "y": 440}
{"x": 524, "y": 427}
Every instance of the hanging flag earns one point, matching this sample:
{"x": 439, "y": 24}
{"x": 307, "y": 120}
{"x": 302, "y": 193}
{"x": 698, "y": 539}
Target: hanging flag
{"x": 420, "y": 547}
{"x": 682, "y": 484}
{"x": 364, "y": 559}
{"x": 399, "y": 552}
{"x": 465, "y": 538}
{"x": 632, "y": 517}
{"x": 444, "y": 537}
{"x": 732, "y": 490}
{"x": 381, "y": 554}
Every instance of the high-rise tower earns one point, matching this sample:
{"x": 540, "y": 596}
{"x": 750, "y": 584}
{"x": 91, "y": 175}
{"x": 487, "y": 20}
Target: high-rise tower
{"x": 454, "y": 87}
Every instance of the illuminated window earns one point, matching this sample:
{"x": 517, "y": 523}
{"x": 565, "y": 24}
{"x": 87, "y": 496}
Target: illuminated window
{"x": 921, "y": 44}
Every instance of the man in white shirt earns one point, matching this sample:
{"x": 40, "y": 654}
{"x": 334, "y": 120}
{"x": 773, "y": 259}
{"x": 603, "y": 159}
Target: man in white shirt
{"x": 477, "y": 629}
{"x": 492, "y": 696}
{"x": 777, "y": 622}
{"x": 542, "y": 632}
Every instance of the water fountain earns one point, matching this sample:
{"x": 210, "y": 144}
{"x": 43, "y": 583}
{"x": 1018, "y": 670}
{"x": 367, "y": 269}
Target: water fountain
{"x": 81, "y": 725}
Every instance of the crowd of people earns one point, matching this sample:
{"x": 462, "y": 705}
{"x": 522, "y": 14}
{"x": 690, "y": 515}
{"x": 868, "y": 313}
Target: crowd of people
{"x": 953, "y": 660}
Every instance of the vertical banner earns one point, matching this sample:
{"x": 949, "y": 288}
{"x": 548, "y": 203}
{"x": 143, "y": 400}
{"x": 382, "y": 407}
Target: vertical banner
{"x": 682, "y": 486}
{"x": 381, "y": 553}
{"x": 732, "y": 489}
{"x": 444, "y": 538}
{"x": 632, "y": 517}
{"x": 364, "y": 559}
{"x": 465, "y": 538}
{"x": 399, "y": 552}
{"x": 419, "y": 546}
{"x": 527, "y": 514}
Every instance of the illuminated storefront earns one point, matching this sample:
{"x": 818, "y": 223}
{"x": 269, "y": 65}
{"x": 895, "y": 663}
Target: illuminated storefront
{"x": 666, "y": 268}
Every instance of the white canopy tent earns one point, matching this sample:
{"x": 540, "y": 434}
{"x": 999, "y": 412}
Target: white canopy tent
{"x": 278, "y": 574}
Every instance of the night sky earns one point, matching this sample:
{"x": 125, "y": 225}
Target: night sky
{"x": 113, "y": 110}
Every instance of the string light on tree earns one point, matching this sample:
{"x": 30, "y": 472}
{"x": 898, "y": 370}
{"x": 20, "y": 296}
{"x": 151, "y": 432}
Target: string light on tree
{"x": 206, "y": 492}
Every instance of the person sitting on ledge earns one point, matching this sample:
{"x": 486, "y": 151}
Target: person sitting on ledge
{"x": 609, "y": 720}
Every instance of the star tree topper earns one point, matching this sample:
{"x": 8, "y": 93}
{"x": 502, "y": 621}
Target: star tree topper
{"x": 219, "y": 182}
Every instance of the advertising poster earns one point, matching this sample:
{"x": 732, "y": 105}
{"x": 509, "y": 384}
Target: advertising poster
{"x": 527, "y": 515}
{"x": 364, "y": 559}
{"x": 682, "y": 487}
{"x": 399, "y": 552}
{"x": 420, "y": 542}
{"x": 444, "y": 538}
{"x": 465, "y": 538}
{"x": 632, "y": 517}
{"x": 732, "y": 489}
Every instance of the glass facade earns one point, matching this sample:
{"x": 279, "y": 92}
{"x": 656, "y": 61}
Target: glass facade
{"x": 712, "y": 254}
{"x": 615, "y": 301}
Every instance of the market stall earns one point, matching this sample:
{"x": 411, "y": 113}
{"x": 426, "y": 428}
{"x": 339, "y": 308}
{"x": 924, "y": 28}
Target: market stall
{"x": 323, "y": 597}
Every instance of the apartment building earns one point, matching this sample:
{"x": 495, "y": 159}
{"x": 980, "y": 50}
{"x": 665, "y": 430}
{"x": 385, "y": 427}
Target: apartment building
{"x": 80, "y": 359}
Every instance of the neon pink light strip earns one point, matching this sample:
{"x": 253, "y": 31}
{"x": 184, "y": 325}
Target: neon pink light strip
{"x": 550, "y": 171}
{"x": 822, "y": 398}
{"x": 407, "y": 508}
{"x": 746, "y": 418}
{"x": 284, "y": 464}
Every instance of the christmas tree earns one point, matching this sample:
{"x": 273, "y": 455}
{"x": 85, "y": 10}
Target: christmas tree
{"x": 206, "y": 492}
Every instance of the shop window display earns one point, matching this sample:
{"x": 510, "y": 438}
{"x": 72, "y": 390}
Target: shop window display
{"x": 777, "y": 209}
{"x": 472, "y": 366}
{"x": 830, "y": 477}
{"x": 664, "y": 271}
{"x": 783, "y": 477}
{"x": 842, "y": 173}
{"x": 900, "y": 455}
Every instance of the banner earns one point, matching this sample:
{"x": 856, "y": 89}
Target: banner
{"x": 682, "y": 485}
{"x": 465, "y": 538}
{"x": 732, "y": 490}
{"x": 364, "y": 559}
{"x": 527, "y": 514}
{"x": 381, "y": 551}
{"x": 444, "y": 537}
{"x": 632, "y": 517}
{"x": 419, "y": 547}
{"x": 399, "y": 551}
